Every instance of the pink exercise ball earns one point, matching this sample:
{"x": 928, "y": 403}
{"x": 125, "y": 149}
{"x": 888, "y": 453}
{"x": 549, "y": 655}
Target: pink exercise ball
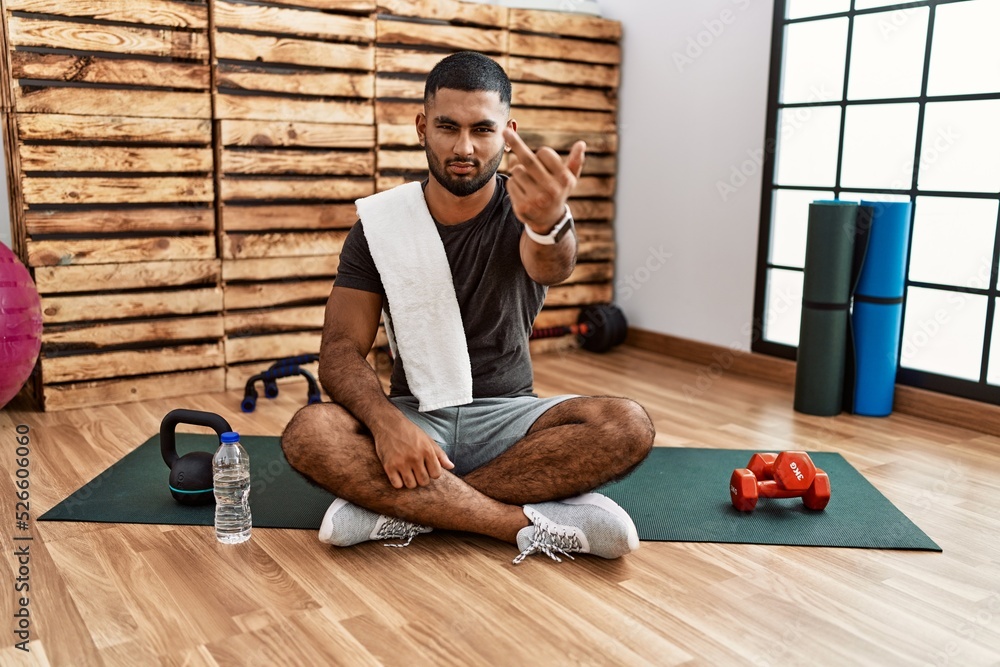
{"x": 20, "y": 325}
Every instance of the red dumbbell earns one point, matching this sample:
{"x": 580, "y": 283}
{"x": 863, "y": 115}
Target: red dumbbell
{"x": 784, "y": 475}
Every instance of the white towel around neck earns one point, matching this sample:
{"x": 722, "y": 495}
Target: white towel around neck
{"x": 426, "y": 324}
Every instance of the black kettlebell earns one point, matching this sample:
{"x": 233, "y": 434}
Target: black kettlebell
{"x": 190, "y": 475}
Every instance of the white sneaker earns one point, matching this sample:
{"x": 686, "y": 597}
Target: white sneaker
{"x": 587, "y": 524}
{"x": 346, "y": 524}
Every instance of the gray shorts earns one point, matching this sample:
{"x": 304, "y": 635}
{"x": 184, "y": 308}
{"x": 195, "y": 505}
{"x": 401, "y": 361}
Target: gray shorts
{"x": 475, "y": 434}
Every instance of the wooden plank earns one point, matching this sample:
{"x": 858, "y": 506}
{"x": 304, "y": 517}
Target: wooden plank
{"x": 109, "y": 392}
{"x": 578, "y": 295}
{"x": 112, "y": 250}
{"x": 150, "y": 12}
{"x": 272, "y": 346}
{"x": 447, "y": 10}
{"x": 251, "y": 107}
{"x": 264, "y": 218}
{"x": 131, "y": 362}
{"x": 265, "y": 295}
{"x": 280, "y": 267}
{"x": 565, "y": 121}
{"x": 595, "y": 250}
{"x": 67, "y": 127}
{"x": 591, "y": 272}
{"x": 275, "y": 320}
{"x": 108, "y": 190}
{"x": 600, "y": 165}
{"x": 109, "y": 102}
{"x": 298, "y": 22}
{"x": 387, "y": 182}
{"x": 108, "y": 38}
{"x": 305, "y": 82}
{"x": 114, "y": 159}
{"x": 592, "y": 209}
{"x": 559, "y": 71}
{"x": 115, "y": 221}
{"x": 445, "y": 36}
{"x": 563, "y": 140}
{"x": 557, "y": 48}
{"x": 295, "y": 134}
{"x": 290, "y": 51}
{"x": 411, "y": 89}
{"x": 595, "y": 186}
{"x": 97, "y": 336}
{"x": 556, "y": 317}
{"x": 397, "y": 135}
{"x": 287, "y": 161}
{"x": 410, "y": 61}
{"x": 566, "y": 97}
{"x": 313, "y": 188}
{"x": 127, "y": 305}
{"x": 93, "y": 69}
{"x": 397, "y": 113}
{"x": 136, "y": 275}
{"x": 565, "y": 23}
{"x": 300, "y": 244}
{"x": 402, "y": 160}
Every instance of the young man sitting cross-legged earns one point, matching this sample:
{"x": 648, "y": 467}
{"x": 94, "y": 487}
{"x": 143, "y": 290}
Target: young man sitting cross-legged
{"x": 462, "y": 443}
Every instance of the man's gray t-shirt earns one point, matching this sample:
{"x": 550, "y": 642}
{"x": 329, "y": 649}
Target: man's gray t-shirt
{"x": 497, "y": 298}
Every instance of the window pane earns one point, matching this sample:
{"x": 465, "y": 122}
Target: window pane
{"x": 993, "y": 370}
{"x": 887, "y": 60}
{"x": 953, "y": 241}
{"x": 798, "y": 9}
{"x": 869, "y": 4}
{"x": 783, "y": 308}
{"x": 965, "y": 53}
{"x": 815, "y": 53}
{"x": 807, "y": 146}
{"x": 961, "y": 147}
{"x": 788, "y": 231}
{"x": 879, "y": 142}
{"x": 943, "y": 332}
{"x": 882, "y": 196}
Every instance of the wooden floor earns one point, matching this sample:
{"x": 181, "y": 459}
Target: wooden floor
{"x": 104, "y": 594}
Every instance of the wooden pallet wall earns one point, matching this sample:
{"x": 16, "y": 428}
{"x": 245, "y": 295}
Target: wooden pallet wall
{"x": 112, "y": 142}
{"x": 182, "y": 172}
{"x": 293, "y": 103}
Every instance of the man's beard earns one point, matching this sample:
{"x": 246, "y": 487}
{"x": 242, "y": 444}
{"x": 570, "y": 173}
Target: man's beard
{"x": 459, "y": 186}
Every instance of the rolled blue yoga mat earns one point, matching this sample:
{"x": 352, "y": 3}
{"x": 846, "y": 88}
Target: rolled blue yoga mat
{"x": 877, "y": 317}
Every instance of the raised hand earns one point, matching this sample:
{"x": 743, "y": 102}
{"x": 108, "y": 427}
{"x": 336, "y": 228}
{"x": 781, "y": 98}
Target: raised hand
{"x": 540, "y": 183}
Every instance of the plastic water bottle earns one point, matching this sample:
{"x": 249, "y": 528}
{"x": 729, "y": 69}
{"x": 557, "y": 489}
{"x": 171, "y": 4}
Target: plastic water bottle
{"x": 231, "y": 478}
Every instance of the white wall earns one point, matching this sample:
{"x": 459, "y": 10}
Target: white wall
{"x": 692, "y": 109}
{"x": 5, "y": 236}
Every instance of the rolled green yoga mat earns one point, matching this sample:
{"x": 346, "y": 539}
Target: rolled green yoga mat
{"x": 826, "y": 297}
{"x": 677, "y": 494}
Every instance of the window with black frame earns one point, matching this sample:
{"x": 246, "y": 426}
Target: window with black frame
{"x": 888, "y": 101}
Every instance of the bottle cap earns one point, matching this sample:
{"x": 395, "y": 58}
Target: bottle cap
{"x": 230, "y": 437}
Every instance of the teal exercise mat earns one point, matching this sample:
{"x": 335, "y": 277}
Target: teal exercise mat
{"x": 676, "y": 495}
{"x": 826, "y": 299}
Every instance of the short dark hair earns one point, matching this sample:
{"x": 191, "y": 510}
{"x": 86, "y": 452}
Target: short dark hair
{"x": 468, "y": 70}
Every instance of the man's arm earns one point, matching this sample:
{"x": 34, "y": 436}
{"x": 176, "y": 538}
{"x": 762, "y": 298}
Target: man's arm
{"x": 409, "y": 457}
{"x": 539, "y": 186}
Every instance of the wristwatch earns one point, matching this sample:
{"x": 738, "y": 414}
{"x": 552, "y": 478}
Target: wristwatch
{"x": 556, "y": 234}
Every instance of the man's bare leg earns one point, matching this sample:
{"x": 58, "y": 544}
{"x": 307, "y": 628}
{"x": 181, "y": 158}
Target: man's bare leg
{"x": 572, "y": 448}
